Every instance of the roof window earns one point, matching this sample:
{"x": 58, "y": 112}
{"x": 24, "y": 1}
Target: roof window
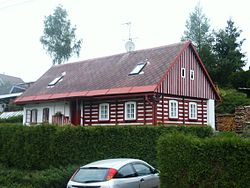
{"x": 56, "y": 80}
{"x": 138, "y": 68}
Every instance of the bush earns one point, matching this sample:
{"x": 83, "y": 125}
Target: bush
{"x": 230, "y": 100}
{"x": 188, "y": 161}
{"x": 52, "y": 177}
{"x": 43, "y": 146}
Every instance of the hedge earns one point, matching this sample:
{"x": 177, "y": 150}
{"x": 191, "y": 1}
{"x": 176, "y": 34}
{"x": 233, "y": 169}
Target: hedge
{"x": 52, "y": 177}
{"x": 188, "y": 161}
{"x": 40, "y": 147}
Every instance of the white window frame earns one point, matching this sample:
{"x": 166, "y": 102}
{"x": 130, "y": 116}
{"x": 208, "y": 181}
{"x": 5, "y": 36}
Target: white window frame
{"x": 127, "y": 116}
{"x": 28, "y": 116}
{"x": 183, "y": 70}
{"x": 191, "y": 74}
{"x": 101, "y": 118}
{"x": 173, "y": 114}
{"x": 192, "y": 110}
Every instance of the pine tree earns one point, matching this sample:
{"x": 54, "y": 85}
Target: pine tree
{"x": 229, "y": 58}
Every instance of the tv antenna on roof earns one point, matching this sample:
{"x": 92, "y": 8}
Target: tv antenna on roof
{"x": 129, "y": 45}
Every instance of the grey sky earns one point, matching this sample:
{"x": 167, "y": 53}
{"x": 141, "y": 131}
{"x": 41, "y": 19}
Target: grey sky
{"x": 100, "y": 25}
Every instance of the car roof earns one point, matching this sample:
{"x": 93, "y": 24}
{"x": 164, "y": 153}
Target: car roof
{"x": 112, "y": 163}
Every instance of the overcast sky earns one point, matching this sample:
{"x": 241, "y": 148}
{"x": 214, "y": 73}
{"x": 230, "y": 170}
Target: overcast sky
{"x": 100, "y": 24}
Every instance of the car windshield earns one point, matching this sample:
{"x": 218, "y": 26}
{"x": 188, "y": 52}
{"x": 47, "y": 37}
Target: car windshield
{"x": 88, "y": 175}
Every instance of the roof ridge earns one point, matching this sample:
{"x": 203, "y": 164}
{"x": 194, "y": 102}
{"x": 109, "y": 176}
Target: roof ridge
{"x": 120, "y": 54}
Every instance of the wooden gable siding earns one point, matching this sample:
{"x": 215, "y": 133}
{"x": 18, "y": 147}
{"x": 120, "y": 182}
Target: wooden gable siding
{"x": 174, "y": 84}
{"x": 183, "y": 111}
{"x": 144, "y": 112}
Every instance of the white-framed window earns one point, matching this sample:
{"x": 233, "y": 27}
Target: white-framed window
{"x": 192, "y": 110}
{"x": 183, "y": 72}
{"x": 28, "y": 116}
{"x": 104, "y": 111}
{"x": 130, "y": 110}
{"x": 173, "y": 109}
{"x": 191, "y": 74}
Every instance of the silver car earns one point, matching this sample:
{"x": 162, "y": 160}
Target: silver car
{"x": 115, "y": 173}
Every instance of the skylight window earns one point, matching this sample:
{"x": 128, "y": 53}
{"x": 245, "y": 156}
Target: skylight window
{"x": 138, "y": 68}
{"x": 56, "y": 80}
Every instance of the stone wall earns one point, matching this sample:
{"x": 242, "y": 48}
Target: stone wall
{"x": 242, "y": 118}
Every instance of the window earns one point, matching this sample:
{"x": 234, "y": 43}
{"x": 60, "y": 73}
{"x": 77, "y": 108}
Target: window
{"x": 56, "y": 80}
{"x": 90, "y": 175}
{"x": 28, "y": 116}
{"x": 45, "y": 115}
{"x": 183, "y": 72}
{"x": 104, "y": 111}
{"x": 192, "y": 110}
{"x": 130, "y": 110}
{"x": 33, "y": 116}
{"x": 173, "y": 109}
{"x": 125, "y": 172}
{"x": 191, "y": 74}
{"x": 142, "y": 169}
{"x": 138, "y": 68}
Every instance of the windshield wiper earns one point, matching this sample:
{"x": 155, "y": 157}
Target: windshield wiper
{"x": 92, "y": 181}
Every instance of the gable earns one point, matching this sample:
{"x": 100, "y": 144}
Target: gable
{"x": 188, "y": 77}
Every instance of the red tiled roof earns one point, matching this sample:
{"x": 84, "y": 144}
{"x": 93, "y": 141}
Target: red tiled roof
{"x": 106, "y": 75}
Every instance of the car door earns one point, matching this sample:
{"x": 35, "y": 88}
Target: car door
{"x": 126, "y": 178}
{"x": 147, "y": 177}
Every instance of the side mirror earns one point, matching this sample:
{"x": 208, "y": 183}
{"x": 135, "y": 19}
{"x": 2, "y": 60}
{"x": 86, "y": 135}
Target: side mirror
{"x": 155, "y": 171}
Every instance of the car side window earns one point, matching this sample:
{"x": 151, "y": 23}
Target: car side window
{"x": 142, "y": 169}
{"x": 125, "y": 172}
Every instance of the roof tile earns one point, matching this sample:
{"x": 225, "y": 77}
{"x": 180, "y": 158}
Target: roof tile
{"x": 106, "y": 75}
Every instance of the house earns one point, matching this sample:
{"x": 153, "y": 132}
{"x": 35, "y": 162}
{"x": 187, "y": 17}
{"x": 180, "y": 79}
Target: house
{"x": 10, "y": 88}
{"x": 162, "y": 85}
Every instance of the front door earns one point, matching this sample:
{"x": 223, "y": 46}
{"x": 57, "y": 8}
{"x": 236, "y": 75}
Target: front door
{"x": 75, "y": 111}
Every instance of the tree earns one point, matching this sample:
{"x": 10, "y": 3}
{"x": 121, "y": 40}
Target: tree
{"x": 229, "y": 58}
{"x": 59, "y": 39}
{"x": 198, "y": 31}
{"x": 240, "y": 79}
{"x": 231, "y": 98}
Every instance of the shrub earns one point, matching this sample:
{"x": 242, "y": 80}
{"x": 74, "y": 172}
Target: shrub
{"x": 188, "y": 161}
{"x": 230, "y": 100}
{"x": 43, "y": 146}
{"x": 52, "y": 177}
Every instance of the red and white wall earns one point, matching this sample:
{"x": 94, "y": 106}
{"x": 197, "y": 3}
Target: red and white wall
{"x": 147, "y": 112}
{"x": 90, "y": 112}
